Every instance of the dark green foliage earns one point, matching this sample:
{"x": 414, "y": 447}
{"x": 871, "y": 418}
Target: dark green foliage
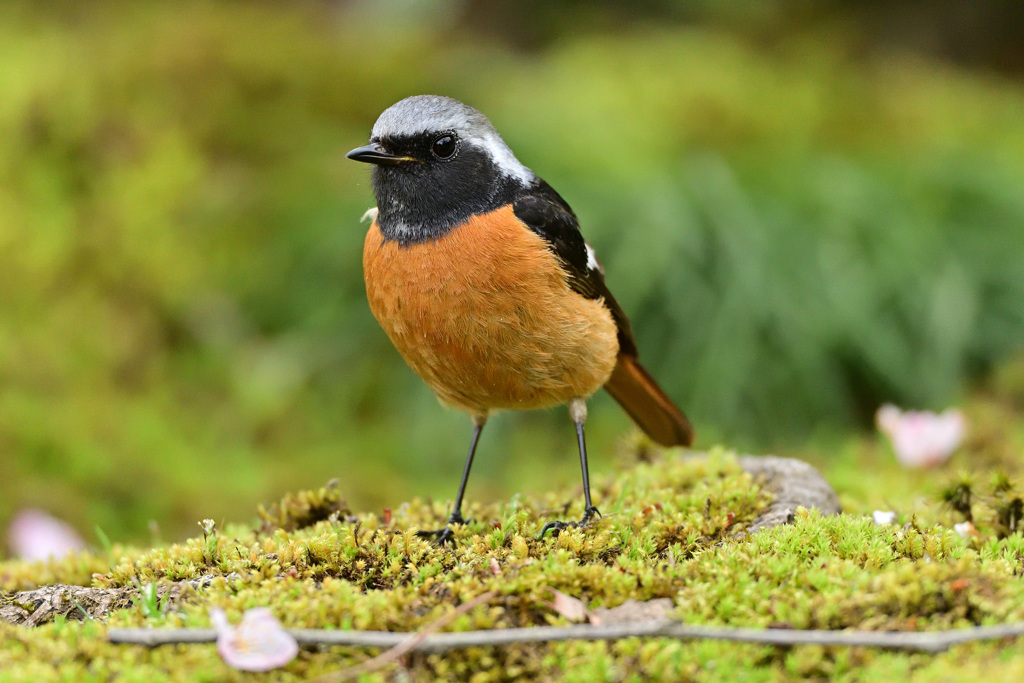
{"x": 1000, "y": 506}
{"x": 797, "y": 234}
{"x": 303, "y": 509}
{"x": 958, "y": 496}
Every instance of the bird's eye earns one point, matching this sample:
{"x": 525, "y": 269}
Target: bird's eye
{"x": 444, "y": 147}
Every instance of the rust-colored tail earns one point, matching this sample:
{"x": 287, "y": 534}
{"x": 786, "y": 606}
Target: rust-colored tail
{"x": 647, "y": 404}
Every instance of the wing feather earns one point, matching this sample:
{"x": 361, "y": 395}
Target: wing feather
{"x": 544, "y": 211}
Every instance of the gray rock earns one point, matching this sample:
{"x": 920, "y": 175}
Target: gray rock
{"x": 792, "y": 483}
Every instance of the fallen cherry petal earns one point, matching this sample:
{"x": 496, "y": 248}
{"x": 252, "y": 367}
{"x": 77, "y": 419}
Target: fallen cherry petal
{"x": 921, "y": 438}
{"x": 883, "y": 517}
{"x": 36, "y": 535}
{"x": 258, "y": 643}
{"x": 569, "y": 607}
{"x": 966, "y": 529}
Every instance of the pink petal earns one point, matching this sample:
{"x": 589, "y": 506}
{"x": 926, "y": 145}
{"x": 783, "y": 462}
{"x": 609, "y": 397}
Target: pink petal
{"x": 36, "y": 535}
{"x": 883, "y": 517}
{"x": 966, "y": 529}
{"x": 258, "y": 643}
{"x": 569, "y": 607}
{"x": 922, "y": 438}
{"x": 219, "y": 619}
{"x": 887, "y": 417}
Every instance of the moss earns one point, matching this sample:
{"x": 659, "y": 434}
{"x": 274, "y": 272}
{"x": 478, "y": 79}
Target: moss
{"x": 303, "y": 509}
{"x": 669, "y": 530}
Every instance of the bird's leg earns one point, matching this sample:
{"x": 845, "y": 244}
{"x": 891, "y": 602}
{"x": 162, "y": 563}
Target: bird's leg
{"x": 578, "y": 413}
{"x": 445, "y": 536}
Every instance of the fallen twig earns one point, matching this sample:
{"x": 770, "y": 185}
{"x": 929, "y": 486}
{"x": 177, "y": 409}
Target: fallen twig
{"x": 408, "y": 644}
{"x": 926, "y": 641}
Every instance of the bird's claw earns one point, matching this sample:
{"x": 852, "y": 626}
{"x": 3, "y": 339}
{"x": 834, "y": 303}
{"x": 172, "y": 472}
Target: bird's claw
{"x": 557, "y": 526}
{"x": 444, "y": 536}
{"x": 440, "y": 537}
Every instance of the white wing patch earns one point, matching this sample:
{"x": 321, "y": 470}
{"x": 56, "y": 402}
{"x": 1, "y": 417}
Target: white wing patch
{"x": 371, "y": 215}
{"x": 592, "y": 263}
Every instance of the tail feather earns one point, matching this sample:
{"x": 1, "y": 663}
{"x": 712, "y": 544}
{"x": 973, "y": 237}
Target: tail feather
{"x": 647, "y": 404}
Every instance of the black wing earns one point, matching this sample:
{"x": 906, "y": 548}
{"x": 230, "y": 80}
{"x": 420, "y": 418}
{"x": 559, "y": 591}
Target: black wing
{"x": 545, "y": 212}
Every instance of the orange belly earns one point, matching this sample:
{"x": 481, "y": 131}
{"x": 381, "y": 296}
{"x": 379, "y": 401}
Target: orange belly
{"x": 484, "y": 315}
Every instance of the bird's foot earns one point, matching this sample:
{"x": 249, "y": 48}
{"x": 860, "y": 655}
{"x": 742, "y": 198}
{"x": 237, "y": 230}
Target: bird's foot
{"x": 444, "y": 536}
{"x": 441, "y": 537}
{"x": 556, "y": 527}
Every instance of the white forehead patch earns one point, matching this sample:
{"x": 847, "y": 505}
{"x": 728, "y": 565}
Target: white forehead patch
{"x": 432, "y": 113}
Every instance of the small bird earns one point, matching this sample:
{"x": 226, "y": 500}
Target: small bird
{"x": 477, "y": 271}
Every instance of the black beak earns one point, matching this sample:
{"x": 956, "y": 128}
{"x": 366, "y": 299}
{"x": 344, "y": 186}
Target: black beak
{"x": 374, "y": 153}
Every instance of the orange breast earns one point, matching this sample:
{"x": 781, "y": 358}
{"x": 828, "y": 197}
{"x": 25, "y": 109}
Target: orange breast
{"x": 485, "y": 317}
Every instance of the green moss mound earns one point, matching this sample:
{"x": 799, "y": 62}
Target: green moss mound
{"x": 671, "y": 528}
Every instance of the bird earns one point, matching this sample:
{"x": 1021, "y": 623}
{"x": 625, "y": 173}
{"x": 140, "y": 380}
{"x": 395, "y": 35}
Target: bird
{"x": 478, "y": 272}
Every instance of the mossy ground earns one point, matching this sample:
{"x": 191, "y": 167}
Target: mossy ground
{"x": 672, "y": 528}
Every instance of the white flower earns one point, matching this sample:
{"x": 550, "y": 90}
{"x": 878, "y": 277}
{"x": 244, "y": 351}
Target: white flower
{"x": 883, "y": 517}
{"x": 921, "y": 438}
{"x": 258, "y": 643}
{"x": 36, "y": 535}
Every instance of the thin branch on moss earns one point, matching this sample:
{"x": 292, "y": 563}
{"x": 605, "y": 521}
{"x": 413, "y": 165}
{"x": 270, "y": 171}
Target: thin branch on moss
{"x": 406, "y": 646}
{"x": 925, "y": 641}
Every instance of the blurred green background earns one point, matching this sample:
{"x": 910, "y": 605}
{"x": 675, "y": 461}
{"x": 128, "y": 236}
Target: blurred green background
{"x": 806, "y": 208}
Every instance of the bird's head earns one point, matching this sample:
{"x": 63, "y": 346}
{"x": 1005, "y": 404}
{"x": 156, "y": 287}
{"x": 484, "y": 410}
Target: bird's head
{"x": 436, "y": 162}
